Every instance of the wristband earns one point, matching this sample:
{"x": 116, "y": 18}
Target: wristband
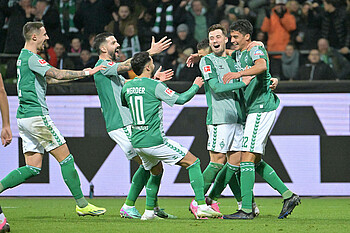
{"x": 87, "y": 73}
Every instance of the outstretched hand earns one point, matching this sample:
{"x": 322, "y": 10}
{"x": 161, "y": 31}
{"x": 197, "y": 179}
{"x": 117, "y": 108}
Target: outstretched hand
{"x": 6, "y": 136}
{"x": 274, "y": 83}
{"x": 231, "y": 75}
{"x": 164, "y": 75}
{"x": 94, "y": 70}
{"x": 247, "y": 79}
{"x": 192, "y": 59}
{"x": 199, "y": 81}
{"x": 160, "y": 46}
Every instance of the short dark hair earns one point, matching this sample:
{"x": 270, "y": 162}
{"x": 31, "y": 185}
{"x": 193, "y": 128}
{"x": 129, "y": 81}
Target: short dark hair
{"x": 243, "y": 26}
{"x": 100, "y": 39}
{"x": 203, "y": 44}
{"x": 139, "y": 61}
{"x": 216, "y": 27}
{"x": 30, "y": 28}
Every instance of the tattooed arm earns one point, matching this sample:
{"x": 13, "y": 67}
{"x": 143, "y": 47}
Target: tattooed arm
{"x": 124, "y": 66}
{"x": 69, "y": 75}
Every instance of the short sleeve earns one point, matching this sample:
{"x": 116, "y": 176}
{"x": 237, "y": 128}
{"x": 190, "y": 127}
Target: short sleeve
{"x": 111, "y": 68}
{"x": 165, "y": 94}
{"x": 258, "y": 52}
{"x": 207, "y": 68}
{"x": 38, "y": 65}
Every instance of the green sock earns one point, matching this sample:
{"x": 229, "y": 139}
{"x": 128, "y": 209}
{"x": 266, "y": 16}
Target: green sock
{"x": 197, "y": 181}
{"x": 270, "y": 176}
{"x": 247, "y": 185}
{"x": 152, "y": 189}
{"x": 219, "y": 184}
{"x": 18, "y": 176}
{"x": 210, "y": 173}
{"x": 233, "y": 175}
{"x": 71, "y": 178}
{"x": 139, "y": 180}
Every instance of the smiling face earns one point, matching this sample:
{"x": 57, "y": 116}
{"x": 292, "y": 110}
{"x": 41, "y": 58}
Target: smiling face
{"x": 40, "y": 39}
{"x": 239, "y": 41}
{"x": 217, "y": 42}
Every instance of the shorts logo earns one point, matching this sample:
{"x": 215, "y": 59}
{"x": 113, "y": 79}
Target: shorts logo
{"x": 207, "y": 69}
{"x": 42, "y": 62}
{"x": 169, "y": 92}
{"x": 258, "y": 52}
{"x": 110, "y": 63}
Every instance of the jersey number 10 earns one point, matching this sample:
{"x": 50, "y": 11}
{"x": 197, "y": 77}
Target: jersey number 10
{"x": 136, "y": 104}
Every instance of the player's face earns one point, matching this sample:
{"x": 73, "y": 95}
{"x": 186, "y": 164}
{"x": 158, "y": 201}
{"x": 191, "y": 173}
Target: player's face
{"x": 203, "y": 52}
{"x": 41, "y": 38}
{"x": 239, "y": 40}
{"x": 112, "y": 47}
{"x": 217, "y": 42}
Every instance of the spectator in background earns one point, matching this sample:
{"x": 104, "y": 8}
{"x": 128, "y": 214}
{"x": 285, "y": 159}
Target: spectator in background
{"x": 167, "y": 17}
{"x": 75, "y": 45}
{"x": 121, "y": 18}
{"x": 199, "y": 19}
{"x": 130, "y": 44}
{"x": 335, "y": 27}
{"x": 49, "y": 16}
{"x": 85, "y": 61}
{"x": 309, "y": 26}
{"x": 50, "y": 54}
{"x": 92, "y": 16}
{"x": 144, "y": 27}
{"x": 183, "y": 40}
{"x": 182, "y": 72}
{"x": 290, "y": 62}
{"x": 334, "y": 59}
{"x": 67, "y": 9}
{"x": 315, "y": 69}
{"x": 278, "y": 24}
{"x": 63, "y": 61}
{"x": 18, "y": 14}
{"x": 91, "y": 39}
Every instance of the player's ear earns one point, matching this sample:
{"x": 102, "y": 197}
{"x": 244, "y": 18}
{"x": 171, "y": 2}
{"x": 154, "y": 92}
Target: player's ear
{"x": 247, "y": 36}
{"x": 34, "y": 37}
{"x": 226, "y": 39}
{"x": 103, "y": 49}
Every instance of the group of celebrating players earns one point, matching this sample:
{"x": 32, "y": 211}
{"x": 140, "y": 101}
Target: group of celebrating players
{"x": 241, "y": 112}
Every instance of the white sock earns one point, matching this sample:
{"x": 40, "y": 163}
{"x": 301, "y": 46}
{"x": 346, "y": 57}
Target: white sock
{"x": 125, "y": 206}
{"x": 149, "y": 212}
{"x": 202, "y": 207}
{"x": 194, "y": 203}
{"x": 213, "y": 202}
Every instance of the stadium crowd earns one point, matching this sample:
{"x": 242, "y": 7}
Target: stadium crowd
{"x": 306, "y": 40}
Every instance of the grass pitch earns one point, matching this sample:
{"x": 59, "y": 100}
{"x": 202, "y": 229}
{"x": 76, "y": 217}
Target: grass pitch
{"x": 51, "y": 215}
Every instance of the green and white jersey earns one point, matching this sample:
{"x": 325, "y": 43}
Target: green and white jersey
{"x": 109, "y": 86}
{"x": 144, "y": 98}
{"x": 31, "y": 84}
{"x": 258, "y": 95}
{"x": 223, "y": 107}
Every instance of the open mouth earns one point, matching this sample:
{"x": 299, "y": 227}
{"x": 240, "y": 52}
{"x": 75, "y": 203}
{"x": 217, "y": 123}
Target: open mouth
{"x": 217, "y": 46}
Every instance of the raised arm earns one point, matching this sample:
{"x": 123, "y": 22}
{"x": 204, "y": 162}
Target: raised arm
{"x": 160, "y": 46}
{"x": 6, "y": 134}
{"x": 124, "y": 66}
{"x": 259, "y": 67}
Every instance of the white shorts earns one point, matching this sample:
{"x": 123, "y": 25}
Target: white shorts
{"x": 122, "y": 138}
{"x": 224, "y": 137}
{"x": 257, "y": 131}
{"x": 170, "y": 153}
{"x": 39, "y": 133}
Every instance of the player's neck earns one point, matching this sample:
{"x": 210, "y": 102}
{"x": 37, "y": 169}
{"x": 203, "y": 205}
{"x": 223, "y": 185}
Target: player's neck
{"x": 145, "y": 74}
{"x": 223, "y": 54}
{"x": 31, "y": 47}
{"x": 245, "y": 46}
{"x": 104, "y": 56}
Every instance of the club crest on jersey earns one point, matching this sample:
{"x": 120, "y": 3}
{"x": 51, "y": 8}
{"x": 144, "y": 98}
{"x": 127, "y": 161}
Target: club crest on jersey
{"x": 258, "y": 52}
{"x": 169, "y": 92}
{"x": 42, "y": 62}
{"x": 207, "y": 69}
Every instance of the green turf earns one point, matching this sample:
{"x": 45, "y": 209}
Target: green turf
{"x": 51, "y": 215}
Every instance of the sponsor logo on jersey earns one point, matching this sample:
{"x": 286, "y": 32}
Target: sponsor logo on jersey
{"x": 110, "y": 63}
{"x": 258, "y": 52}
{"x": 42, "y": 62}
{"x": 169, "y": 92}
{"x": 207, "y": 69}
